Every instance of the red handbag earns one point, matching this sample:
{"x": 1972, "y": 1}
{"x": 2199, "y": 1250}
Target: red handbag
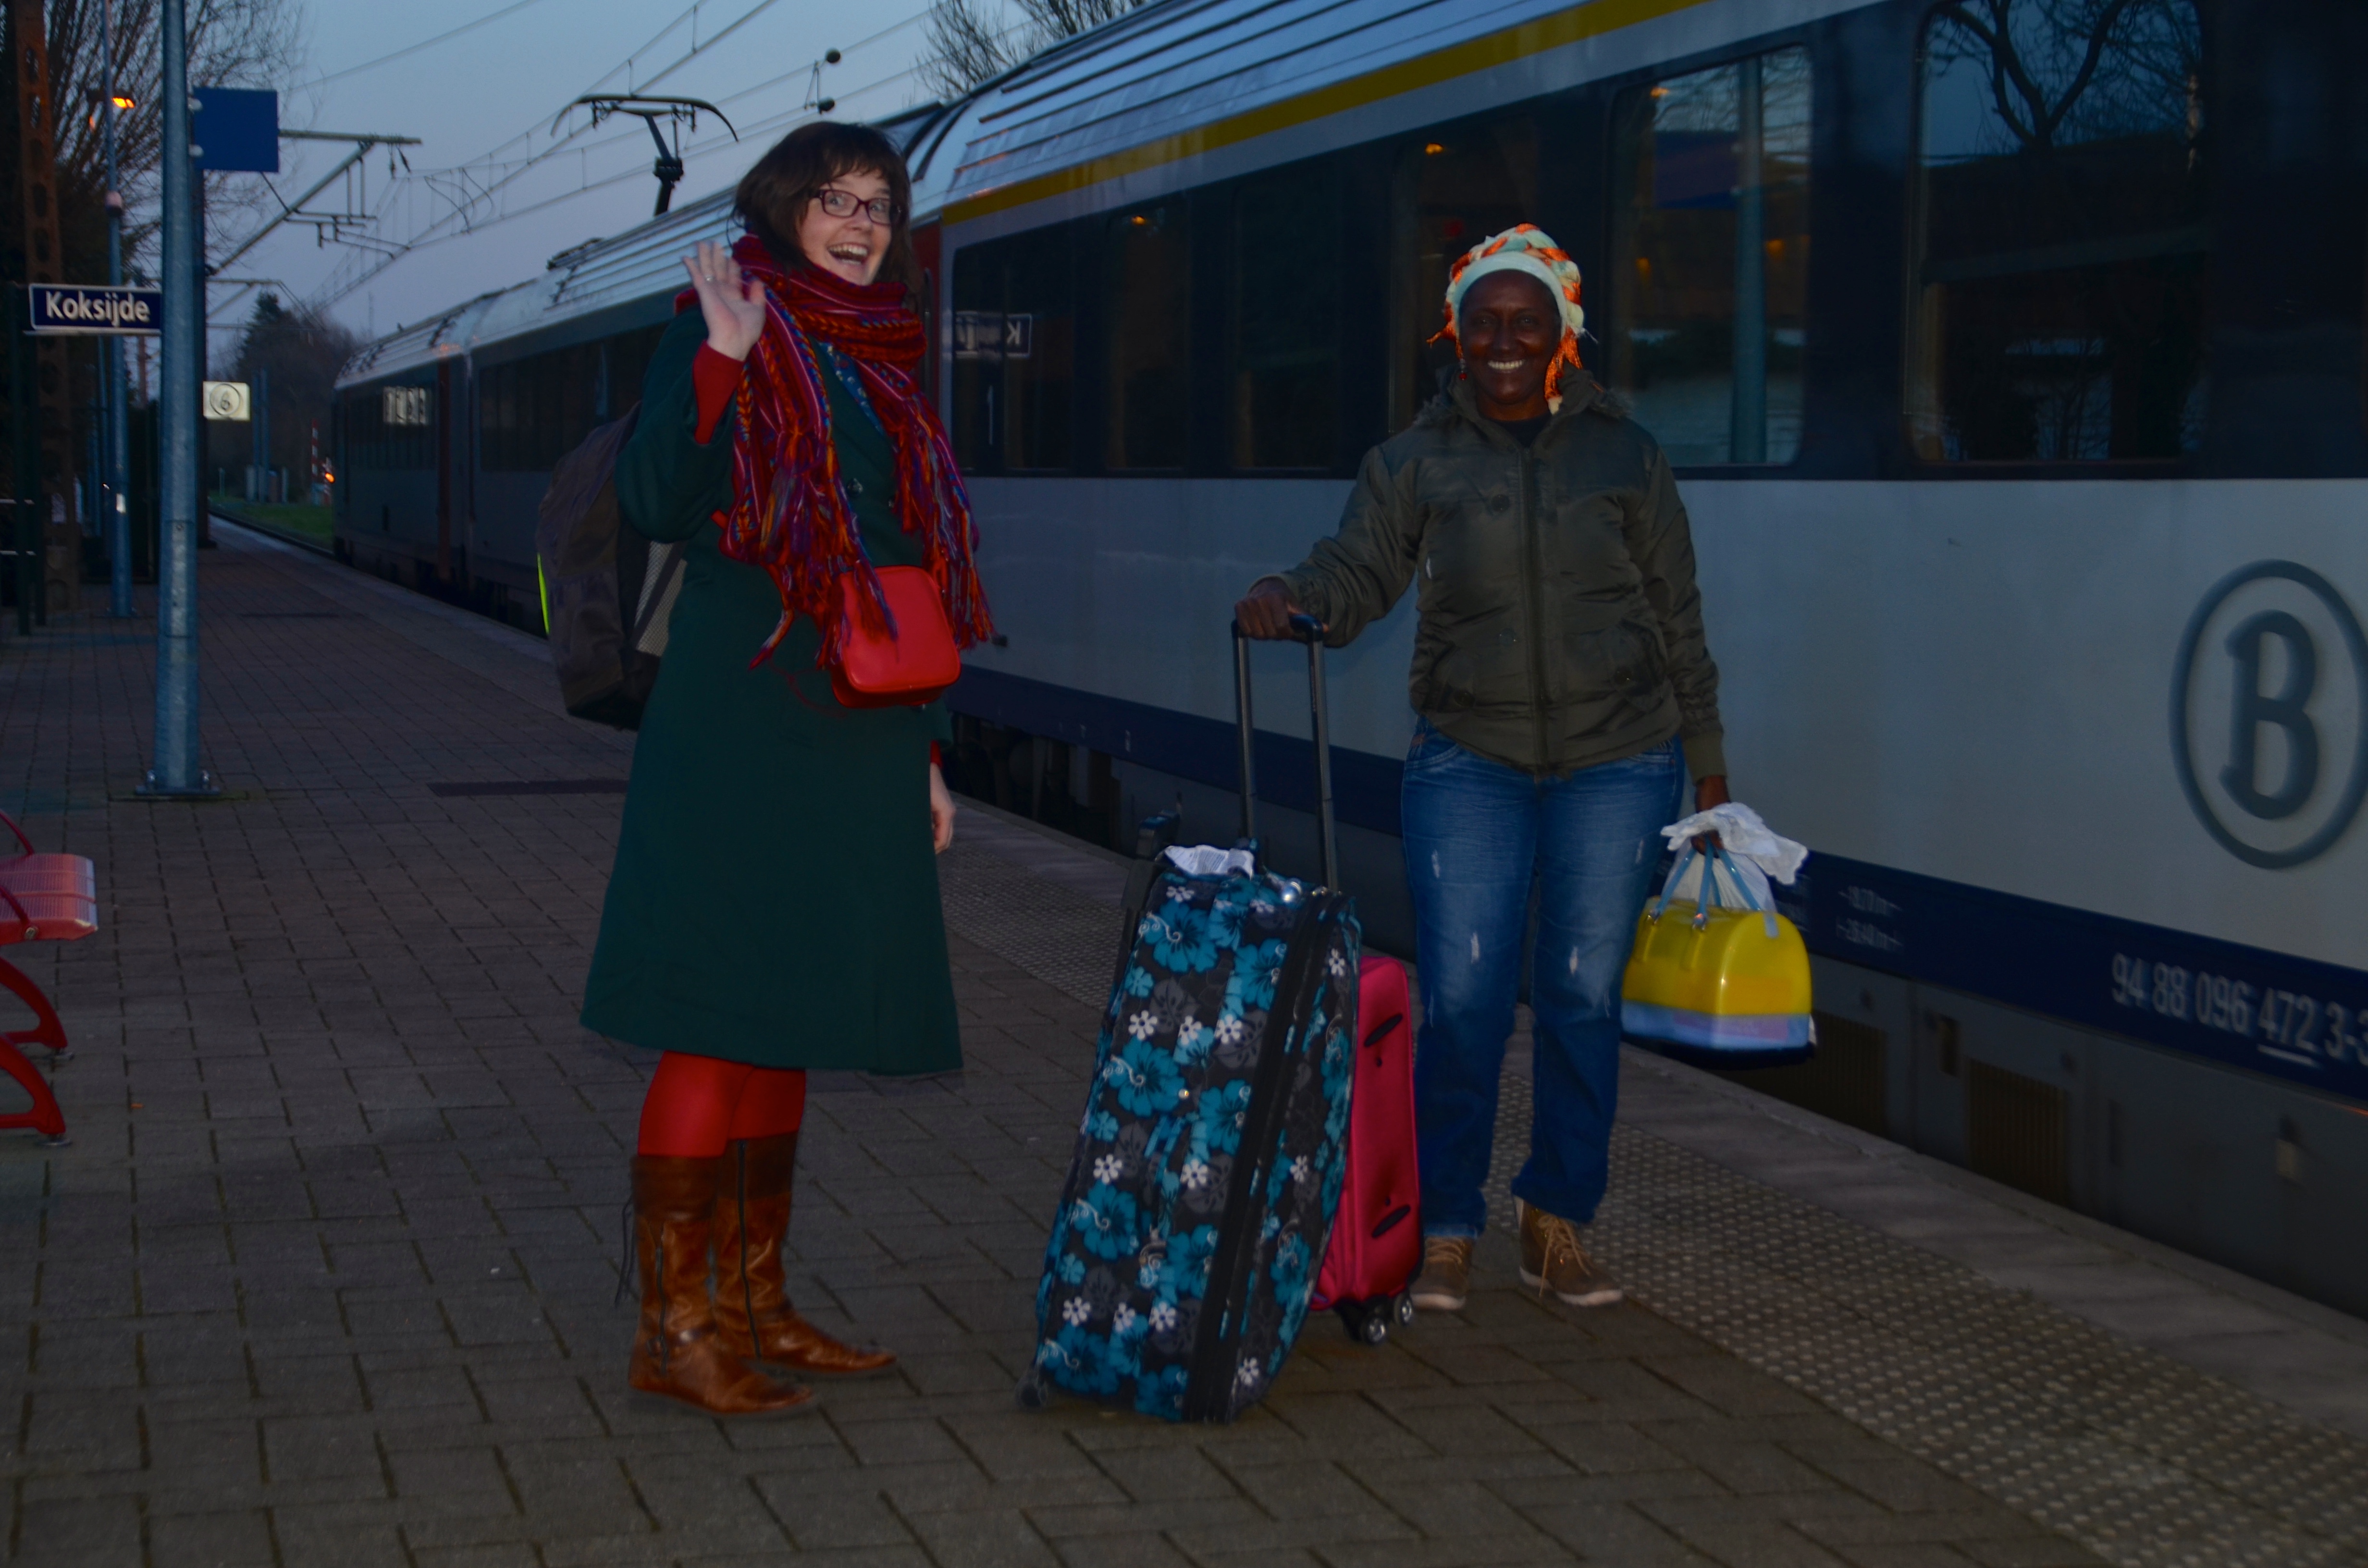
{"x": 905, "y": 668}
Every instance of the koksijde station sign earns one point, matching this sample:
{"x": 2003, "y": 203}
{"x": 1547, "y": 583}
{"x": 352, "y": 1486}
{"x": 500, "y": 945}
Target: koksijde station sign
{"x": 96, "y": 307}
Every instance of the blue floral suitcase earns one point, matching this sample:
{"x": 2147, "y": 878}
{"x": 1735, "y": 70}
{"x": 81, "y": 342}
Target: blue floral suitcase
{"x": 1210, "y": 1158}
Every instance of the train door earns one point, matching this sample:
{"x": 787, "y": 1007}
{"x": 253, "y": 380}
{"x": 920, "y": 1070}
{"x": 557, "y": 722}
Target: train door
{"x": 446, "y": 416}
{"x": 929, "y": 251}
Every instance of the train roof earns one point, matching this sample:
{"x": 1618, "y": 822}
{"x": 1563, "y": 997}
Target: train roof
{"x": 1162, "y": 84}
{"x": 1182, "y": 79}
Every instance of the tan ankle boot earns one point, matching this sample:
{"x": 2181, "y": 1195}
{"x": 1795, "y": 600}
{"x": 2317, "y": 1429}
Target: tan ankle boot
{"x": 1553, "y": 1259}
{"x": 752, "y": 1297}
{"x": 678, "y": 1353}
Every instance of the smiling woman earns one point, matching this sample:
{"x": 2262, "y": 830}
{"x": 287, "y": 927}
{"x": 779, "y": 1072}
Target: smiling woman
{"x": 774, "y": 906}
{"x": 787, "y": 200}
{"x": 1565, "y": 690}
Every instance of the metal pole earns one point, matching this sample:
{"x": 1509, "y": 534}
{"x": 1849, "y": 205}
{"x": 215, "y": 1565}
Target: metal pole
{"x": 115, "y": 398}
{"x": 195, "y": 378}
{"x": 1328, "y": 852}
{"x": 1243, "y": 723}
{"x": 176, "y": 771}
{"x": 24, "y": 532}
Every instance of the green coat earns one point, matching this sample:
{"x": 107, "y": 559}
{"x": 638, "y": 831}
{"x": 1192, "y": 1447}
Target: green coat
{"x": 1559, "y": 626}
{"x": 775, "y": 897}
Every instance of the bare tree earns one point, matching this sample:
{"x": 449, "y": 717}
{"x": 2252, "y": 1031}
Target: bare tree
{"x": 2065, "y": 71}
{"x": 967, "y": 47}
{"x": 232, "y": 43}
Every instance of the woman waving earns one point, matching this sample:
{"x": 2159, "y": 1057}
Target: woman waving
{"x": 774, "y": 906}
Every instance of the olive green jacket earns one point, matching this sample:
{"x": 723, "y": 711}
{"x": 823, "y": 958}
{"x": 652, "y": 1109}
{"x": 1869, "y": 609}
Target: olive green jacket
{"x": 1560, "y": 624}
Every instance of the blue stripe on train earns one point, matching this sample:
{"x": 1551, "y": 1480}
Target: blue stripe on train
{"x": 1364, "y": 787}
{"x": 2293, "y": 1018}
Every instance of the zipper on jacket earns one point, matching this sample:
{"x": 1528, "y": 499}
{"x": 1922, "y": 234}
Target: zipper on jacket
{"x": 1535, "y": 571}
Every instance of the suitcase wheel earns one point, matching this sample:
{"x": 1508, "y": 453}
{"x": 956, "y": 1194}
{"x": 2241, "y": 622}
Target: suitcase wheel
{"x": 1367, "y": 1322}
{"x": 1035, "y": 1391}
{"x": 1405, "y": 1308}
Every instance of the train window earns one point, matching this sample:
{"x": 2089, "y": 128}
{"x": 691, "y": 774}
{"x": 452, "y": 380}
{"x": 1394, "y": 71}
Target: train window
{"x": 629, "y": 355}
{"x": 1711, "y": 219}
{"x": 532, "y": 411}
{"x": 497, "y": 418}
{"x": 391, "y": 426}
{"x": 1283, "y": 323}
{"x": 1015, "y": 343}
{"x": 2060, "y": 295}
{"x": 1147, "y": 309}
{"x": 1451, "y": 190}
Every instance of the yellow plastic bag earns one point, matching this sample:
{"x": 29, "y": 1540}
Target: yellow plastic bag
{"x": 1717, "y": 986}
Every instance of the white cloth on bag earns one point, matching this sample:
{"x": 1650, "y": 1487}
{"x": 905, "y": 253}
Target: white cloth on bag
{"x": 1209, "y": 859}
{"x": 1757, "y": 852}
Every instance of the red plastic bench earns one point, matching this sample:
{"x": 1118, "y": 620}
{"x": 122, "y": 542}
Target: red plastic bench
{"x": 43, "y": 898}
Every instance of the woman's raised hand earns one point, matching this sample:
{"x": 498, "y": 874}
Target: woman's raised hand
{"x": 732, "y": 303}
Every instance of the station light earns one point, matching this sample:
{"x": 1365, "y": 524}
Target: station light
{"x": 1432, "y": 149}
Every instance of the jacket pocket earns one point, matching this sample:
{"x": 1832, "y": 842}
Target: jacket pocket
{"x": 1451, "y": 685}
{"x": 1621, "y": 662}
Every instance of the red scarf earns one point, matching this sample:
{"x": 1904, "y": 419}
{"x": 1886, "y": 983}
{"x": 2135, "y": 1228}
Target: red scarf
{"x": 789, "y": 514}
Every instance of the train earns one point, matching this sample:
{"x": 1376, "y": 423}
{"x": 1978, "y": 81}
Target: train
{"x": 2011, "y": 358}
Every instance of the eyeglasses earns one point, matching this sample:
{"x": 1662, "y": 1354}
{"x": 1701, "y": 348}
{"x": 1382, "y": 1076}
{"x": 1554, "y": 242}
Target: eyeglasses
{"x": 843, "y": 203}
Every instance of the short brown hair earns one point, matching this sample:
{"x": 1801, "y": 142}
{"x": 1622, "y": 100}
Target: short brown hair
{"x": 773, "y": 195}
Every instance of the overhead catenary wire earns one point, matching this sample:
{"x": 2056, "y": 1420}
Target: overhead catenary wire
{"x": 487, "y": 190}
{"x": 689, "y": 14}
{"x": 426, "y": 43}
{"x": 620, "y": 177}
{"x": 488, "y": 177}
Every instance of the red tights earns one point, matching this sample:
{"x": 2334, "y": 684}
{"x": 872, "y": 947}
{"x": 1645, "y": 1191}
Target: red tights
{"x": 697, "y": 1105}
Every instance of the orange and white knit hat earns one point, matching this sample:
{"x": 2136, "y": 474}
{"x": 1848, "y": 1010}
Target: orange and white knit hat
{"x": 1528, "y": 249}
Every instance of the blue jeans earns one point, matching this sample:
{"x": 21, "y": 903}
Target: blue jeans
{"x": 1478, "y": 835}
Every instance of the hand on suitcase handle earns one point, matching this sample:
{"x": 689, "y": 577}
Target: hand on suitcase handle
{"x": 1268, "y": 613}
{"x": 1304, "y": 628}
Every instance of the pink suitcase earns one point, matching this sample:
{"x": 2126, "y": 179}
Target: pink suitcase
{"x": 1376, "y": 1245}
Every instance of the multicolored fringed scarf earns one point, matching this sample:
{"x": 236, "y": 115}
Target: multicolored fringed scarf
{"x": 789, "y": 514}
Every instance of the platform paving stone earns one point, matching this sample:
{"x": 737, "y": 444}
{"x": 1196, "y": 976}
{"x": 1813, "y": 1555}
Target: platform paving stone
{"x": 326, "y": 1275}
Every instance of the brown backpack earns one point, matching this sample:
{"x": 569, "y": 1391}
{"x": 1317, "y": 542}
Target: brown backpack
{"x": 606, "y": 591}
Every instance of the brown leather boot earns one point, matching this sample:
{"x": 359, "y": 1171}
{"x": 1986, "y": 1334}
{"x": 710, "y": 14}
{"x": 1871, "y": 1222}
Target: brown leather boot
{"x": 678, "y": 1352}
{"x": 752, "y": 1298}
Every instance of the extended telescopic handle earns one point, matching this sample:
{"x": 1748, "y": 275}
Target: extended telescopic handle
{"x": 1308, "y": 629}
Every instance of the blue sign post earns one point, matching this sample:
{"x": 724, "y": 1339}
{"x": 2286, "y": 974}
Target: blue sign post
{"x": 175, "y": 771}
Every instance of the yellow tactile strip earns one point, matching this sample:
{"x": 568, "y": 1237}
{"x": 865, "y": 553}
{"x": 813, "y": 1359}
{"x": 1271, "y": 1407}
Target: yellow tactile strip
{"x": 2141, "y": 1459}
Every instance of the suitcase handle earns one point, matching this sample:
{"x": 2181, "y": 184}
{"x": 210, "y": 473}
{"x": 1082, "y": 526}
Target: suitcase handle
{"x": 1308, "y": 629}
